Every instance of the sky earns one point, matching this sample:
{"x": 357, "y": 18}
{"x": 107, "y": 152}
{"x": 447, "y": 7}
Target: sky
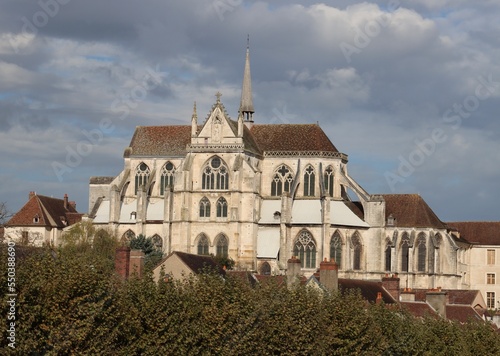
{"x": 409, "y": 90}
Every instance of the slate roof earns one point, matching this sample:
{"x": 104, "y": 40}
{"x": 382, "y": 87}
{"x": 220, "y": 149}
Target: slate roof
{"x": 165, "y": 141}
{"x": 51, "y": 212}
{"x": 478, "y": 232}
{"x": 410, "y": 210}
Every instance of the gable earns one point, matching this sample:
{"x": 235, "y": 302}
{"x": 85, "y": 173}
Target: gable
{"x": 218, "y": 127}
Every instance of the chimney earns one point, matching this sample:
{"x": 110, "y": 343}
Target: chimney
{"x": 31, "y": 195}
{"x": 292, "y": 271}
{"x": 391, "y": 284}
{"x": 328, "y": 275}
{"x": 407, "y": 295}
{"x": 136, "y": 263}
{"x": 72, "y": 204}
{"x": 122, "y": 261}
{"x": 438, "y": 300}
{"x": 66, "y": 201}
{"x": 379, "y": 298}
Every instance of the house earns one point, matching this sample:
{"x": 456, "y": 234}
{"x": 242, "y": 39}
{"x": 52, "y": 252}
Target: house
{"x": 42, "y": 220}
{"x": 180, "y": 265}
{"x": 262, "y": 193}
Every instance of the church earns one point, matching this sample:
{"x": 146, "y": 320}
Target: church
{"x": 262, "y": 193}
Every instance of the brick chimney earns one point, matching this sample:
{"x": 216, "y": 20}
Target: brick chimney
{"x": 379, "y": 298}
{"x": 391, "y": 284}
{"x": 66, "y": 201}
{"x": 122, "y": 261}
{"x": 136, "y": 263}
{"x": 329, "y": 275}
{"x": 437, "y": 299}
{"x": 292, "y": 271}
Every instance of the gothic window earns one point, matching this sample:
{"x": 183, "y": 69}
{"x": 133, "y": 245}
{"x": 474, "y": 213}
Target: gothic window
{"x": 265, "y": 269}
{"x": 204, "y": 208}
{"x": 305, "y": 249}
{"x": 203, "y": 245}
{"x": 422, "y": 253}
{"x": 328, "y": 181}
{"x": 282, "y": 181}
{"x": 141, "y": 176}
{"x": 336, "y": 248}
{"x": 167, "y": 177}
{"x": 309, "y": 179}
{"x": 127, "y": 236}
{"x": 221, "y": 208}
{"x": 215, "y": 175}
{"x": 405, "y": 252}
{"x": 222, "y": 246}
{"x": 357, "y": 249}
{"x": 388, "y": 257}
{"x": 157, "y": 241}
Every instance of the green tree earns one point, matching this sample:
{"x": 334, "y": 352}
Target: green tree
{"x": 152, "y": 254}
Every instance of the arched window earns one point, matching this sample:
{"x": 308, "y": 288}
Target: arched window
{"x": 405, "y": 252}
{"x": 336, "y": 248}
{"x": 215, "y": 175}
{"x": 328, "y": 181}
{"x": 204, "y": 208}
{"x": 309, "y": 180}
{"x": 265, "y": 269}
{"x": 222, "y": 246}
{"x": 282, "y": 181}
{"x": 141, "y": 176}
{"x": 167, "y": 177}
{"x": 203, "y": 245}
{"x": 357, "y": 249}
{"x": 127, "y": 236}
{"x": 157, "y": 241}
{"x": 221, "y": 208}
{"x": 388, "y": 250}
{"x": 422, "y": 253}
{"x": 305, "y": 249}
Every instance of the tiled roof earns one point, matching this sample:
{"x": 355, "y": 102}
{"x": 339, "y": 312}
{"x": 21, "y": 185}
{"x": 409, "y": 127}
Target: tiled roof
{"x": 198, "y": 263}
{"x": 410, "y": 210}
{"x": 160, "y": 140}
{"x": 369, "y": 290}
{"x": 292, "y": 137}
{"x": 478, "y": 232}
{"x": 455, "y": 296}
{"x": 419, "y": 309}
{"x": 461, "y": 313}
{"x": 50, "y": 213}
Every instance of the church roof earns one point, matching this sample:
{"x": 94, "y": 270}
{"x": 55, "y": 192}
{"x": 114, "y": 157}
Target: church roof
{"x": 478, "y": 232}
{"x": 51, "y": 212}
{"x": 292, "y": 137}
{"x": 160, "y": 140}
{"x": 410, "y": 210}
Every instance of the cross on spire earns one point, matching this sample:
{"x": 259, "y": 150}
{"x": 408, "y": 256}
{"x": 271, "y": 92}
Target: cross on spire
{"x": 218, "y": 95}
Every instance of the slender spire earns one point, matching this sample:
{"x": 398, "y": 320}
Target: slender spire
{"x": 194, "y": 121}
{"x": 246, "y": 104}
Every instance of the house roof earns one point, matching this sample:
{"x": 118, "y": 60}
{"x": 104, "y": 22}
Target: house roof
{"x": 419, "y": 309}
{"x": 455, "y": 296}
{"x": 462, "y": 313}
{"x": 410, "y": 210}
{"x": 196, "y": 263}
{"x": 478, "y": 232}
{"x": 369, "y": 289}
{"x": 51, "y": 212}
{"x": 292, "y": 137}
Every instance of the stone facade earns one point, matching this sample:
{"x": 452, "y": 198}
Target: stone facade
{"x": 261, "y": 194}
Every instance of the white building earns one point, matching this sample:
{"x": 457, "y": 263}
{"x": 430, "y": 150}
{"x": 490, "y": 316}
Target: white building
{"x": 263, "y": 193}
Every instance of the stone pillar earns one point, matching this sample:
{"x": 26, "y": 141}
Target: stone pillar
{"x": 329, "y": 275}
{"x": 122, "y": 261}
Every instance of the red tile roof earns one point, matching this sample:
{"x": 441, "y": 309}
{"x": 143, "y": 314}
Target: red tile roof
{"x": 419, "y": 309}
{"x": 51, "y": 212}
{"x": 462, "y": 313}
{"x": 369, "y": 290}
{"x": 160, "y": 141}
{"x": 410, "y": 210}
{"x": 478, "y": 232}
{"x": 292, "y": 137}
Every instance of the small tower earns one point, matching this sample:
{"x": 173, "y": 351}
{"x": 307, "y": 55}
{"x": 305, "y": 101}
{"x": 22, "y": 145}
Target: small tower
{"x": 194, "y": 122}
{"x": 246, "y": 103}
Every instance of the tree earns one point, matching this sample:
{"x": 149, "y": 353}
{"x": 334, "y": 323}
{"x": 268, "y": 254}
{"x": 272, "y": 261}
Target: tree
{"x": 5, "y": 214}
{"x": 152, "y": 254}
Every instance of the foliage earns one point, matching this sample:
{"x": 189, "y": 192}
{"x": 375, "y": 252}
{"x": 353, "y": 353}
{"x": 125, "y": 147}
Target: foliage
{"x": 152, "y": 254}
{"x": 69, "y": 301}
{"x": 224, "y": 262}
{"x": 5, "y": 214}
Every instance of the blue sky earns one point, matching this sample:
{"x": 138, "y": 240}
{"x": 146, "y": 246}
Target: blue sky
{"x": 389, "y": 82}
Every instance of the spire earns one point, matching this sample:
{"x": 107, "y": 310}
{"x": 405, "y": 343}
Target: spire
{"x": 194, "y": 121}
{"x": 246, "y": 104}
